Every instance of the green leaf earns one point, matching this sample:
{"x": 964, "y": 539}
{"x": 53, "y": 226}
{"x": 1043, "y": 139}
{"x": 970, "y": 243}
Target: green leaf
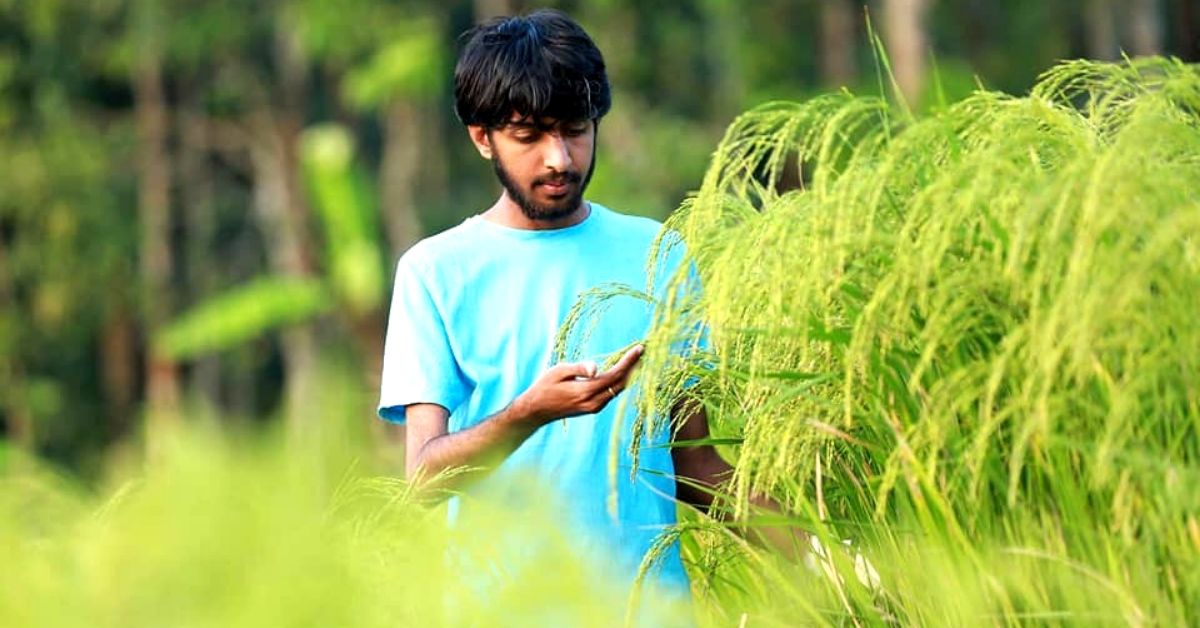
{"x": 241, "y": 314}
{"x": 412, "y": 66}
{"x": 345, "y": 202}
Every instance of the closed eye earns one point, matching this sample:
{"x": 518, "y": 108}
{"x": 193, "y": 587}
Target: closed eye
{"x": 576, "y": 131}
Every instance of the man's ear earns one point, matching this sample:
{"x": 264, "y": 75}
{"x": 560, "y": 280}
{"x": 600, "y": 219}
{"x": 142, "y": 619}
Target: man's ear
{"x": 481, "y": 140}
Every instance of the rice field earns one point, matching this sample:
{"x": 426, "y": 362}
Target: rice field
{"x": 966, "y": 341}
{"x": 962, "y": 348}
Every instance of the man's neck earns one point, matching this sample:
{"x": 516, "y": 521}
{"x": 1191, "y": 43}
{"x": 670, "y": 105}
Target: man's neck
{"x": 507, "y": 213}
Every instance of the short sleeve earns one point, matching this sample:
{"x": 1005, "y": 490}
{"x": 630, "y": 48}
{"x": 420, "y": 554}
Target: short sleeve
{"x": 419, "y": 364}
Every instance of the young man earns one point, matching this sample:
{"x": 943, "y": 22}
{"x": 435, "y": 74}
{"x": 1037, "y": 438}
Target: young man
{"x": 475, "y": 310}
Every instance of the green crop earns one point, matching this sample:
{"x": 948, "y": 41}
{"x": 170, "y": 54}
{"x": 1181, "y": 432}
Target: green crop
{"x": 969, "y": 341}
{"x": 255, "y": 533}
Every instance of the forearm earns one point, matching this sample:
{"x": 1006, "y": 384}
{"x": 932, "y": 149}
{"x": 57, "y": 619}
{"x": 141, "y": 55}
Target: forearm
{"x": 702, "y": 475}
{"x": 700, "y": 490}
{"x": 565, "y": 390}
{"x": 698, "y": 483}
{"x": 785, "y": 538}
{"x": 481, "y": 448}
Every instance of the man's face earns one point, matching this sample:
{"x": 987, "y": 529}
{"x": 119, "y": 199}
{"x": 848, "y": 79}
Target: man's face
{"x": 544, "y": 166}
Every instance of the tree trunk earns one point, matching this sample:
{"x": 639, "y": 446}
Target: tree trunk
{"x": 907, "y": 42}
{"x": 197, "y": 192}
{"x": 1185, "y": 29}
{"x": 154, "y": 188}
{"x": 838, "y": 43}
{"x": 283, "y": 217}
{"x": 1100, "y": 26}
{"x": 435, "y": 162}
{"x": 1144, "y": 26}
{"x": 118, "y": 369}
{"x": 275, "y": 203}
{"x": 18, "y": 424}
{"x": 399, "y": 173}
{"x": 724, "y": 57}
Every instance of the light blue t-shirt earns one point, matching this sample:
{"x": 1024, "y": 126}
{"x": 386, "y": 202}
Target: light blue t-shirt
{"x": 474, "y": 315}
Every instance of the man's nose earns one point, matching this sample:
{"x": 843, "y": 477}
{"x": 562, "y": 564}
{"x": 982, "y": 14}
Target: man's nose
{"x": 555, "y": 155}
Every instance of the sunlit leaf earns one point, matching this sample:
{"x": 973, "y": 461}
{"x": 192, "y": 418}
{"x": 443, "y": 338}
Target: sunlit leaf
{"x": 345, "y": 203}
{"x": 241, "y": 314}
{"x": 412, "y": 66}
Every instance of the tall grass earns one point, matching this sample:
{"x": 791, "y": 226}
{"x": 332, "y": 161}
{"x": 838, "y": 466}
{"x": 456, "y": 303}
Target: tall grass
{"x": 225, "y": 533}
{"x": 970, "y": 341}
{"x": 241, "y": 527}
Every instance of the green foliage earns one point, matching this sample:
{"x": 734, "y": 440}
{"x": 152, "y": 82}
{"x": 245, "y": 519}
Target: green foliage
{"x": 348, "y": 212}
{"x": 345, "y": 32}
{"x": 355, "y": 280}
{"x": 966, "y": 340}
{"x": 411, "y": 65}
{"x": 243, "y": 313}
{"x": 249, "y": 532}
{"x": 633, "y": 173}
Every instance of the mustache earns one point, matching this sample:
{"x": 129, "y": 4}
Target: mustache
{"x": 557, "y": 179}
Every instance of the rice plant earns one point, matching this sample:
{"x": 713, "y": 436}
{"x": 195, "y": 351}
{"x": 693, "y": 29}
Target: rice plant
{"x": 229, "y": 533}
{"x": 969, "y": 341}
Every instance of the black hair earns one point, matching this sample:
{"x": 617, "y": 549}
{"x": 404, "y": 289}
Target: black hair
{"x": 541, "y": 65}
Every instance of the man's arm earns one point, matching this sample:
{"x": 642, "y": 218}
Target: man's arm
{"x": 565, "y": 390}
{"x": 429, "y": 449}
{"x": 700, "y": 472}
{"x": 699, "y": 469}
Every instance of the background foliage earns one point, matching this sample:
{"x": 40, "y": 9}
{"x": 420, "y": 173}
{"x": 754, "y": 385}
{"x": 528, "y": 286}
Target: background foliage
{"x": 202, "y": 200}
{"x": 201, "y": 203}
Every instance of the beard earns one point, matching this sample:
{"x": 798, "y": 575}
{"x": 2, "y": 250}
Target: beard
{"x": 554, "y": 210}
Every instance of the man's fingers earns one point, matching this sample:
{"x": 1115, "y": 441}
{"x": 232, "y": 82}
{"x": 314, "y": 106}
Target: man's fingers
{"x": 608, "y": 384}
{"x": 619, "y": 372}
{"x": 575, "y": 370}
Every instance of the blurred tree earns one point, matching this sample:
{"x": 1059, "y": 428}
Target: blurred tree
{"x": 18, "y": 425}
{"x": 1185, "y": 28}
{"x": 394, "y": 65}
{"x": 198, "y": 200}
{"x": 154, "y": 208}
{"x": 723, "y": 38}
{"x": 839, "y": 46}
{"x": 65, "y": 230}
{"x": 1145, "y": 27}
{"x": 1100, "y": 24}
{"x": 274, "y": 125}
{"x": 907, "y": 44}
{"x": 402, "y": 79}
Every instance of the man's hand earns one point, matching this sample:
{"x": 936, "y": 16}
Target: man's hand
{"x": 564, "y": 390}
{"x": 572, "y": 389}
